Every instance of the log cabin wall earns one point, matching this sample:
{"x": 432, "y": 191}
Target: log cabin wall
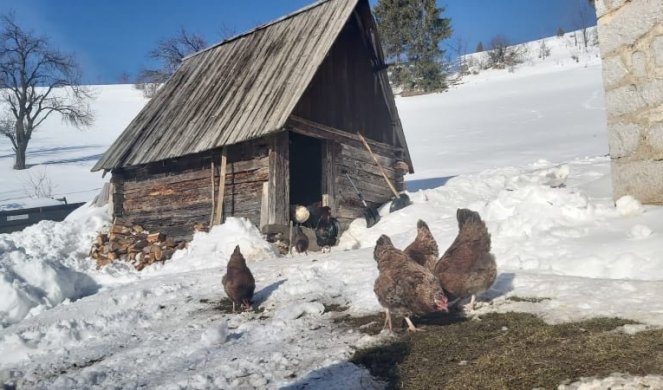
{"x": 173, "y": 195}
{"x": 365, "y": 174}
{"x": 345, "y": 93}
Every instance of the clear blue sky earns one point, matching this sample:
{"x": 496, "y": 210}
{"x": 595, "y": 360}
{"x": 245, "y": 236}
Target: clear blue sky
{"x": 110, "y": 37}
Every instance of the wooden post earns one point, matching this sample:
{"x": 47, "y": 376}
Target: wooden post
{"x": 211, "y": 218}
{"x": 218, "y": 217}
{"x": 290, "y": 238}
{"x": 279, "y": 180}
{"x": 264, "y": 205}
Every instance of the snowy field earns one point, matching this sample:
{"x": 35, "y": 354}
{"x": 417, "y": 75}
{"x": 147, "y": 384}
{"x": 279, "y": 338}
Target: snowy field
{"x": 525, "y": 149}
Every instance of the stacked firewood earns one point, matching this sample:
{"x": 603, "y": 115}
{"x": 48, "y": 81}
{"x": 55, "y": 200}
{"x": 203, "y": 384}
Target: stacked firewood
{"x": 133, "y": 244}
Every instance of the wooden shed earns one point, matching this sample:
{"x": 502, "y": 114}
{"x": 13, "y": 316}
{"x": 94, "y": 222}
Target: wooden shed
{"x": 261, "y": 121}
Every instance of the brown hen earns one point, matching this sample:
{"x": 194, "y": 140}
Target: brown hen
{"x": 238, "y": 281}
{"x": 467, "y": 268}
{"x": 424, "y": 248}
{"x": 404, "y": 287}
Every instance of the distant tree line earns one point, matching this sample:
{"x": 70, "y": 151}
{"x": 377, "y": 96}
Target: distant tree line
{"x": 411, "y": 32}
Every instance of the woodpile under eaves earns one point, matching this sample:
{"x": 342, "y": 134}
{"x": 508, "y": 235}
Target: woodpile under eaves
{"x": 134, "y": 245}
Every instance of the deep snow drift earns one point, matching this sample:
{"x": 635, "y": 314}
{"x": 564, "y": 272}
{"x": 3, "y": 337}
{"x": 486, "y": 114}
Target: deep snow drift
{"x": 525, "y": 149}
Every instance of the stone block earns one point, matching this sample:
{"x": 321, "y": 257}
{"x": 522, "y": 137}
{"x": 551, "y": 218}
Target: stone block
{"x": 623, "y": 139}
{"x": 631, "y": 22}
{"x": 605, "y": 6}
{"x": 655, "y": 140}
{"x": 614, "y": 71}
{"x": 651, "y": 91}
{"x": 657, "y": 50}
{"x": 641, "y": 179}
{"x": 639, "y": 64}
{"x": 624, "y": 100}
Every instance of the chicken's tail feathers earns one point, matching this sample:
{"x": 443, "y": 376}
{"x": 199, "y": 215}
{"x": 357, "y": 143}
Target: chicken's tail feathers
{"x": 381, "y": 245}
{"x": 237, "y": 251}
{"x": 422, "y": 225}
{"x": 384, "y": 240}
{"x": 471, "y": 227}
{"x": 465, "y": 216}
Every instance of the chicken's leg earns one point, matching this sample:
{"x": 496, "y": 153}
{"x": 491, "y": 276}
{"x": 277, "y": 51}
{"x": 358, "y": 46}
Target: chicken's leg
{"x": 472, "y": 303}
{"x": 387, "y": 320}
{"x": 233, "y": 306}
{"x": 411, "y": 327}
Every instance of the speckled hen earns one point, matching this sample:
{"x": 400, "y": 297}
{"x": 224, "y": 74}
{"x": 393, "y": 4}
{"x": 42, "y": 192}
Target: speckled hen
{"x": 404, "y": 287}
{"x": 467, "y": 268}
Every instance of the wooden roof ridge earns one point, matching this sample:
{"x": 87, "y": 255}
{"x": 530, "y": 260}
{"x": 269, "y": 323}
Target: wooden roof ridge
{"x": 260, "y": 27}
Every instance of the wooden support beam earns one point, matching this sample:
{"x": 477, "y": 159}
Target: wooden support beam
{"x": 264, "y": 206}
{"x": 320, "y": 131}
{"x": 218, "y": 216}
{"x": 279, "y": 179}
{"x": 211, "y": 217}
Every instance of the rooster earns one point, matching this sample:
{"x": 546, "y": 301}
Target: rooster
{"x": 301, "y": 241}
{"x": 404, "y": 287}
{"x": 238, "y": 281}
{"x": 467, "y": 268}
{"x": 326, "y": 230}
{"x": 424, "y": 248}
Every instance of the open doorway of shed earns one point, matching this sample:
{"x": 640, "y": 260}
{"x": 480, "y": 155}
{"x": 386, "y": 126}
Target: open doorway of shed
{"x": 305, "y": 169}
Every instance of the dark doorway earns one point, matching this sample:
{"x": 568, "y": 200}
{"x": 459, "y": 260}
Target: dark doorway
{"x": 305, "y": 169}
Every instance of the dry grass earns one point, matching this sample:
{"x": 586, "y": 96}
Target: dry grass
{"x": 508, "y": 351}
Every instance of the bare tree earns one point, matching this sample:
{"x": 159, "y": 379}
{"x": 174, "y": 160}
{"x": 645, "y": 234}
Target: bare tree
{"x": 169, "y": 54}
{"x": 501, "y": 54}
{"x": 544, "y": 50}
{"x": 36, "y": 81}
{"x": 585, "y": 18}
{"x": 38, "y": 185}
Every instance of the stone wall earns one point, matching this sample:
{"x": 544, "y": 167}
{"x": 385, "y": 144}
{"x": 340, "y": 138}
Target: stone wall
{"x": 631, "y": 42}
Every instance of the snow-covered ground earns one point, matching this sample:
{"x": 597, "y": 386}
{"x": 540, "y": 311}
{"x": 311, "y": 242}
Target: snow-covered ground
{"x": 525, "y": 149}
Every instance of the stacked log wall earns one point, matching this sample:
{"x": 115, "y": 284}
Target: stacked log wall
{"x": 174, "y": 195}
{"x": 363, "y": 170}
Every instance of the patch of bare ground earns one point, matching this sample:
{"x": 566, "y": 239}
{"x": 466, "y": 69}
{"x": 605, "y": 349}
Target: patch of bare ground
{"x": 506, "y": 351}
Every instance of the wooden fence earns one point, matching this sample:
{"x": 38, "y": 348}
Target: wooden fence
{"x": 15, "y": 220}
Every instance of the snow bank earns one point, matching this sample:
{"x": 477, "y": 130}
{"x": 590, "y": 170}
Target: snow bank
{"x": 213, "y": 249}
{"x": 617, "y": 382}
{"x": 537, "y": 222}
{"x": 47, "y": 264}
{"x": 41, "y": 266}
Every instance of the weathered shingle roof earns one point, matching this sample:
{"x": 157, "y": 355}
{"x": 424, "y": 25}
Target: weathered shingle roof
{"x": 238, "y": 90}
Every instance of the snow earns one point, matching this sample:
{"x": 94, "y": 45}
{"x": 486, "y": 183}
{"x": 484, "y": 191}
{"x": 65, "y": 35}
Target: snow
{"x": 526, "y": 149}
{"x": 617, "y": 382}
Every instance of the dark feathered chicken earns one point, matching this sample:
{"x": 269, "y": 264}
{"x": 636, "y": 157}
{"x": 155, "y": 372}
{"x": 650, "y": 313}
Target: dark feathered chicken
{"x": 424, "y": 248}
{"x": 238, "y": 281}
{"x": 327, "y": 228}
{"x": 404, "y": 287}
{"x": 300, "y": 240}
{"x": 467, "y": 268}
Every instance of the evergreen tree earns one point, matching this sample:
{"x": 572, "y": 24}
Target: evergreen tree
{"x": 560, "y": 32}
{"x": 411, "y": 32}
{"x": 394, "y": 18}
{"x": 425, "y": 52}
{"x": 479, "y": 48}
